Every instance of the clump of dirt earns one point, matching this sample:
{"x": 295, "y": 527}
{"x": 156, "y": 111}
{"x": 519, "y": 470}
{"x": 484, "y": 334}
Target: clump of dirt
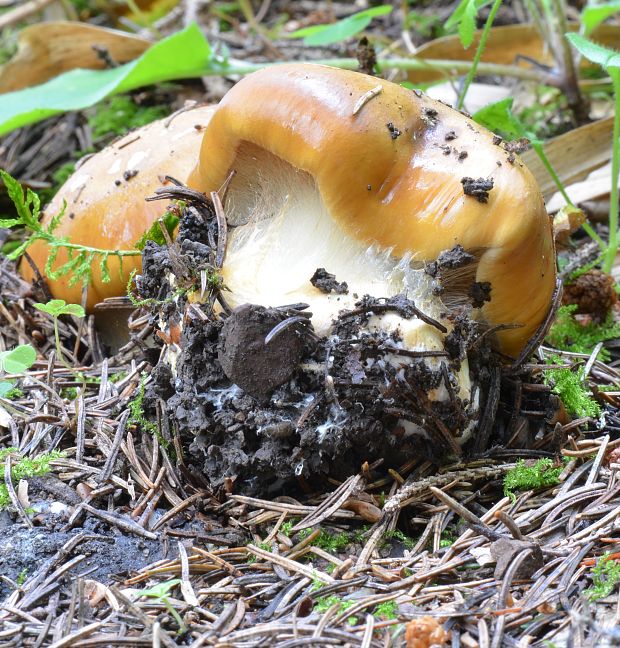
{"x": 452, "y": 259}
{"x": 259, "y": 400}
{"x": 593, "y": 292}
{"x": 248, "y": 360}
{"x": 477, "y": 188}
{"x": 327, "y": 283}
{"x": 479, "y": 293}
{"x": 366, "y": 56}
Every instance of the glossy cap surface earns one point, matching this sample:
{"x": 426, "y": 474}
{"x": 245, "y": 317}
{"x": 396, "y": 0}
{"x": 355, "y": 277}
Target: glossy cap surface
{"x": 389, "y": 172}
{"x": 105, "y": 199}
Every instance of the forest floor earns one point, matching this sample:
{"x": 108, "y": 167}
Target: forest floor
{"x": 116, "y": 529}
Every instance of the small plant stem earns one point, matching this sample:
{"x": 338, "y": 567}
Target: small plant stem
{"x": 449, "y": 67}
{"x": 590, "y": 231}
{"x": 556, "y": 17}
{"x": 612, "y": 247}
{"x": 175, "y": 614}
{"x": 59, "y": 352}
{"x": 536, "y": 18}
{"x": 480, "y": 49}
{"x": 86, "y": 248}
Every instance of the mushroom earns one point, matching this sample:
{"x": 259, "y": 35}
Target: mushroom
{"x": 105, "y": 204}
{"x": 373, "y": 182}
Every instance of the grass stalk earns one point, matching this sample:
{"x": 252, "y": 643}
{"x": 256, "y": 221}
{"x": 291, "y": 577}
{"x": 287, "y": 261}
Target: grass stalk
{"x": 612, "y": 247}
{"x": 478, "y": 55}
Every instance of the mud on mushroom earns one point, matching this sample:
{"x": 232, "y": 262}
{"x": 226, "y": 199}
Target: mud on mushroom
{"x": 259, "y": 399}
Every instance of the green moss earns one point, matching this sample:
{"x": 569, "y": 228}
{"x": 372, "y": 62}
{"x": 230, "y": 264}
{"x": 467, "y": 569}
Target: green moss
{"x": 542, "y": 474}
{"x": 360, "y": 535}
{"x": 119, "y": 114}
{"x": 332, "y": 542}
{"x": 567, "y": 334}
{"x": 570, "y": 385}
{"x": 387, "y": 610}
{"x": 325, "y": 602}
{"x": 13, "y": 394}
{"x": 24, "y": 468}
{"x": 605, "y": 576}
{"x": 21, "y": 577}
{"x": 286, "y": 528}
{"x": 137, "y": 417}
{"x": 447, "y": 538}
{"x": 397, "y": 534}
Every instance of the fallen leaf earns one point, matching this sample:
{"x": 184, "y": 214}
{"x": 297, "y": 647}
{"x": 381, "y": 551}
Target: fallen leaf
{"x": 573, "y": 155}
{"x": 507, "y": 45}
{"x": 566, "y": 222}
{"x": 48, "y": 49}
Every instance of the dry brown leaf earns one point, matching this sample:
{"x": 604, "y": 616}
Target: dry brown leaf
{"x": 425, "y": 632}
{"x": 505, "y": 45}
{"x": 566, "y": 222}
{"x": 365, "y": 510}
{"x": 51, "y": 48}
{"x": 573, "y": 155}
{"x": 596, "y": 185}
{"x": 22, "y": 493}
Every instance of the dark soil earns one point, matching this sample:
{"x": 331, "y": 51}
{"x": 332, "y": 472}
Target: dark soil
{"x": 107, "y": 551}
{"x": 256, "y": 415}
{"x": 477, "y": 188}
{"x": 327, "y": 283}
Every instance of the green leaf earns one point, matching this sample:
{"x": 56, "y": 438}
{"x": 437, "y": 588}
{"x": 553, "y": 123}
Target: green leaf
{"x": 27, "y": 215}
{"x": 5, "y": 388}
{"x": 19, "y": 250}
{"x": 464, "y": 16}
{"x": 593, "y": 16}
{"x": 498, "y": 117}
{"x": 154, "y": 233}
{"x": 64, "y": 269}
{"x": 18, "y": 359}
{"x": 83, "y": 269}
{"x": 467, "y": 26}
{"x": 160, "y": 590}
{"x": 185, "y": 54}
{"x": 603, "y": 56}
{"x": 341, "y": 30}
{"x": 105, "y": 270}
{"x": 57, "y": 307}
{"x": 74, "y": 309}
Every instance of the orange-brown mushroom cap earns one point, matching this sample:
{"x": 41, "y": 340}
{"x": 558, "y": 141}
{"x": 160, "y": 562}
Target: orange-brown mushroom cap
{"x": 388, "y": 164}
{"x": 105, "y": 200}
